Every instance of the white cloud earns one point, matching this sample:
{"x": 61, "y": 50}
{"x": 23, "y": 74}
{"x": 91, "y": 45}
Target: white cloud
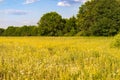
{"x": 63, "y": 3}
{"x": 70, "y": 2}
{"x": 83, "y": 1}
{"x": 30, "y": 1}
{"x": 78, "y": 0}
{"x": 14, "y": 12}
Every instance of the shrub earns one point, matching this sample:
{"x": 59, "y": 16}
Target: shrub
{"x": 116, "y": 41}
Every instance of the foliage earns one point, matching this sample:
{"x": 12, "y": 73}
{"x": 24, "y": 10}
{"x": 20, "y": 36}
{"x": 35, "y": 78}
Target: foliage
{"x": 70, "y": 26}
{"x": 21, "y": 31}
{"x": 116, "y": 41}
{"x": 51, "y": 24}
{"x": 1, "y": 31}
{"x": 10, "y": 31}
{"x": 99, "y": 17}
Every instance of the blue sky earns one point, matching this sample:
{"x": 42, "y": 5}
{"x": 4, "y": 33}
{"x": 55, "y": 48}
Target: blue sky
{"x": 28, "y": 12}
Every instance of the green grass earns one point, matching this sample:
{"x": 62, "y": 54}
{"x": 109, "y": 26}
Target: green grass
{"x": 58, "y": 58}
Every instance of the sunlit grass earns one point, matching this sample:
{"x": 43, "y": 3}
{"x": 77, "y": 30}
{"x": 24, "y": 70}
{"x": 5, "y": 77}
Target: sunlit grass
{"x": 58, "y": 58}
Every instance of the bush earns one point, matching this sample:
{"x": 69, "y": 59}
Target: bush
{"x": 116, "y": 41}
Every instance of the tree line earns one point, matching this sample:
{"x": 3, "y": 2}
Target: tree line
{"x": 95, "y": 18}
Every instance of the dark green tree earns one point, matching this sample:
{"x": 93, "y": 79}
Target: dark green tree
{"x": 21, "y": 31}
{"x": 71, "y": 27}
{"x": 51, "y": 24}
{"x": 25, "y": 30}
{"x": 17, "y": 31}
{"x": 34, "y": 31}
{"x": 10, "y": 31}
{"x": 1, "y": 31}
{"x": 99, "y": 17}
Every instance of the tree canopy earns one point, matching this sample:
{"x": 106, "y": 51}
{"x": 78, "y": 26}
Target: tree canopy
{"x": 50, "y": 24}
{"x": 99, "y": 17}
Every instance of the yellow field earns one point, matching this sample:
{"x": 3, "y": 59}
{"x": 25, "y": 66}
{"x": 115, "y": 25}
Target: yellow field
{"x": 58, "y": 58}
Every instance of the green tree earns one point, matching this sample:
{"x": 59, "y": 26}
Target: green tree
{"x": 1, "y": 31}
{"x": 10, "y": 31}
{"x": 51, "y": 24}
{"x": 99, "y": 17}
{"x": 70, "y": 26}
{"x": 17, "y": 31}
{"x": 25, "y": 31}
{"x": 20, "y": 31}
{"x": 34, "y": 31}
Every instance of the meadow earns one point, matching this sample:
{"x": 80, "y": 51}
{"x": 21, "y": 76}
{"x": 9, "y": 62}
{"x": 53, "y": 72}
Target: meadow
{"x": 59, "y": 58}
